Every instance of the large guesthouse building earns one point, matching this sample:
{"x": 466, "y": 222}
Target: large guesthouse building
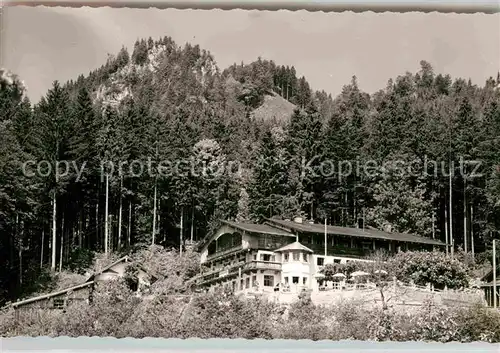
{"x": 248, "y": 256}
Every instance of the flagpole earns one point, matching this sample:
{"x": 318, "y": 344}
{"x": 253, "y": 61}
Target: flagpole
{"x": 494, "y": 274}
{"x": 325, "y": 238}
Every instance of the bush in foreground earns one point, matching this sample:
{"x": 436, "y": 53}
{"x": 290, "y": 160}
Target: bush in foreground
{"x": 118, "y": 313}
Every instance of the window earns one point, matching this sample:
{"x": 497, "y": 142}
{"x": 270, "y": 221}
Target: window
{"x": 336, "y": 261}
{"x": 241, "y": 284}
{"x": 247, "y": 282}
{"x": 268, "y": 281}
{"x": 295, "y": 280}
{"x": 255, "y": 257}
{"x": 58, "y": 303}
{"x": 286, "y": 280}
{"x": 296, "y": 256}
{"x": 265, "y": 257}
{"x": 320, "y": 261}
{"x": 306, "y": 258}
{"x": 254, "y": 281}
{"x": 304, "y": 281}
{"x": 286, "y": 258}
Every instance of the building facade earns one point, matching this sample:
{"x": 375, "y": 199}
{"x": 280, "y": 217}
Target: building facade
{"x": 248, "y": 257}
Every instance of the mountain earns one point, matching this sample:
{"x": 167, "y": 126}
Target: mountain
{"x": 166, "y": 75}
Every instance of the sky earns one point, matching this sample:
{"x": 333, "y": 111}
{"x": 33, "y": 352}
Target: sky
{"x": 42, "y": 44}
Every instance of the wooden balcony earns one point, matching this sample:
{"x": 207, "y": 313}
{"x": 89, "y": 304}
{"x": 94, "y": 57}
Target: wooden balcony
{"x": 231, "y": 270}
{"x": 223, "y": 253}
{"x": 263, "y": 265}
{"x": 217, "y": 273}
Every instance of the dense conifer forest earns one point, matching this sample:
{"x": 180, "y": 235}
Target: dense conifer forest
{"x": 118, "y": 134}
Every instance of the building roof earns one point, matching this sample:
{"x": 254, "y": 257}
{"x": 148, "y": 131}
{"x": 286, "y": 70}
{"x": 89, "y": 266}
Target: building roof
{"x": 294, "y": 246}
{"x": 246, "y": 227}
{"x": 354, "y": 232}
{"x": 107, "y": 268}
{"x": 258, "y": 228}
{"x": 125, "y": 258}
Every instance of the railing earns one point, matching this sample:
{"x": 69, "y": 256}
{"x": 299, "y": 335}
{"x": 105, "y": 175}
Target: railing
{"x": 233, "y": 269}
{"x": 220, "y": 272}
{"x": 263, "y": 265}
{"x": 224, "y": 252}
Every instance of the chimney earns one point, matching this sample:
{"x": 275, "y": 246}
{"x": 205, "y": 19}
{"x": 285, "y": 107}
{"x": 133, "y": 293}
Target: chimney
{"x": 297, "y": 219}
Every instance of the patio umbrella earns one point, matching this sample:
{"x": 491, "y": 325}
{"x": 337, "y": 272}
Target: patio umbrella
{"x": 338, "y": 275}
{"x": 319, "y": 275}
{"x": 382, "y": 272}
{"x": 359, "y": 273}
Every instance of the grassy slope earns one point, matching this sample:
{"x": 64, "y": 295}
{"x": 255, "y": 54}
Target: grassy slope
{"x": 274, "y": 107}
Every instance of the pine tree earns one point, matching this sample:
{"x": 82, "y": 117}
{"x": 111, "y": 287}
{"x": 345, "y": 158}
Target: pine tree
{"x": 54, "y": 127}
{"x": 268, "y": 187}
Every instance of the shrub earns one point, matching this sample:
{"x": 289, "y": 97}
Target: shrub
{"x": 116, "y": 313}
{"x": 429, "y": 267}
{"x": 479, "y": 323}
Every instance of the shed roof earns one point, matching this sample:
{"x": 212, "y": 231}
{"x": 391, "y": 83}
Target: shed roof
{"x": 125, "y": 258}
{"x": 489, "y": 276}
{"x": 50, "y": 295}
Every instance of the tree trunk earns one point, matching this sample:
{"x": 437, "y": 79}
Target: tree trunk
{"x": 110, "y": 237}
{"x": 158, "y": 226}
{"x": 192, "y": 224}
{"x": 181, "y": 231}
{"x": 87, "y": 225}
{"x": 452, "y": 242}
{"x": 120, "y": 217}
{"x": 346, "y": 210}
{"x": 354, "y": 208}
{"x": 97, "y": 225}
{"x": 61, "y": 252}
{"x": 472, "y": 231}
{"x": 129, "y": 233}
{"x": 465, "y": 216}
{"x": 41, "y": 250}
{"x": 433, "y": 225}
{"x": 19, "y": 239}
{"x": 80, "y": 230}
{"x": 106, "y": 217}
{"x": 446, "y": 227}
{"x": 54, "y": 233}
{"x": 384, "y": 304}
{"x": 154, "y": 217}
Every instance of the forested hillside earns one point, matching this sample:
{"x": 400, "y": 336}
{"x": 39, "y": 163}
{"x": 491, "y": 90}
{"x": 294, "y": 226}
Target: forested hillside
{"x": 164, "y": 103}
